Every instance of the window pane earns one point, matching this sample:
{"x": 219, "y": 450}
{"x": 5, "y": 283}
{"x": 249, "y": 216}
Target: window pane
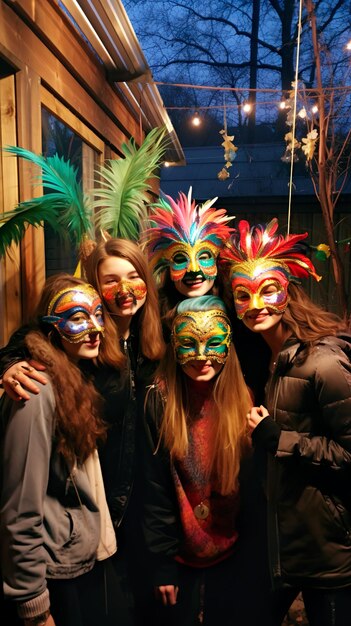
{"x": 57, "y": 137}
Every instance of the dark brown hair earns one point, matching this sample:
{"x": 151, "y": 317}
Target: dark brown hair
{"x": 306, "y": 320}
{"x": 78, "y": 404}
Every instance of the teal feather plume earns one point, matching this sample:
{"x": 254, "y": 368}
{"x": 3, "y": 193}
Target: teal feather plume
{"x": 66, "y": 208}
{"x": 121, "y": 201}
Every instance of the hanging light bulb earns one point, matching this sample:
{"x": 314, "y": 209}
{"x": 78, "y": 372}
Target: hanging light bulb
{"x": 247, "y": 107}
{"x": 196, "y": 120}
{"x": 314, "y": 109}
{"x": 282, "y": 105}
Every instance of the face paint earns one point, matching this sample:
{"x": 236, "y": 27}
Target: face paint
{"x": 76, "y": 312}
{"x": 258, "y": 285}
{"x": 201, "y": 335}
{"x": 114, "y": 294}
{"x": 199, "y": 259}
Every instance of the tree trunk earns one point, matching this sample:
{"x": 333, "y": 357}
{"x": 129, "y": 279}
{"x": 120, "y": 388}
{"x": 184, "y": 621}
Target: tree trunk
{"x": 256, "y": 6}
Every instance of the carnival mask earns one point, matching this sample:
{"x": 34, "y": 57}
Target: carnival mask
{"x": 76, "y": 312}
{"x": 261, "y": 264}
{"x": 134, "y": 289}
{"x": 259, "y": 285}
{"x": 201, "y": 335}
{"x": 185, "y": 237}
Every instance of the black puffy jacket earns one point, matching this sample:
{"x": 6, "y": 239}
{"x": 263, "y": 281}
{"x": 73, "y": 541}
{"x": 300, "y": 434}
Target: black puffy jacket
{"x": 308, "y": 477}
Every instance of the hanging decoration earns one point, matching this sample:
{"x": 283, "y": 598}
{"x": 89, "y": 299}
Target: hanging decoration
{"x": 306, "y": 145}
{"x": 230, "y": 149}
{"x": 309, "y": 144}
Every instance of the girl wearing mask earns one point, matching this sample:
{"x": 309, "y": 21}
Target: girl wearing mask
{"x": 197, "y": 438}
{"x": 301, "y": 433}
{"x": 54, "y": 516}
{"x": 128, "y": 356}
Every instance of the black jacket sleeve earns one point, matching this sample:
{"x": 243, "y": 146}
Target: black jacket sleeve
{"x": 15, "y": 350}
{"x": 161, "y": 523}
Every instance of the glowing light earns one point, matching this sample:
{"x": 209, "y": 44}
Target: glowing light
{"x": 314, "y": 109}
{"x": 247, "y": 107}
{"x": 166, "y": 164}
{"x": 196, "y": 120}
{"x": 282, "y": 105}
{"x": 302, "y": 113}
{"x": 348, "y": 45}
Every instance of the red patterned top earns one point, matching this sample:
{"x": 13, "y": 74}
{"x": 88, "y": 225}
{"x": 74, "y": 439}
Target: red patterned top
{"x": 208, "y": 518}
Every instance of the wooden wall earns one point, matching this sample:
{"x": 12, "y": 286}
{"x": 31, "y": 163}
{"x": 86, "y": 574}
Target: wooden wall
{"x": 53, "y": 67}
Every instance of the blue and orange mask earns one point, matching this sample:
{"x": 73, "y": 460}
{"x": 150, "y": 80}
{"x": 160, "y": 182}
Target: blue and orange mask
{"x": 76, "y": 312}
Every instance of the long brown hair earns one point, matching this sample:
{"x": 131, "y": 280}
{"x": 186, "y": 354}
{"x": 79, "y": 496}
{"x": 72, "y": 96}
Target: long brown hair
{"x": 231, "y": 402}
{"x": 306, "y": 320}
{"x": 151, "y": 339}
{"x": 78, "y": 423}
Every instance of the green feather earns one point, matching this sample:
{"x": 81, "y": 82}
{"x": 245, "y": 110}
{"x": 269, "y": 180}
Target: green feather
{"x": 121, "y": 201}
{"x": 14, "y": 223}
{"x": 65, "y": 208}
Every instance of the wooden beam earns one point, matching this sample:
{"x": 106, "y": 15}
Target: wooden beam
{"x": 10, "y": 307}
{"x": 29, "y": 136}
{"x": 62, "y": 59}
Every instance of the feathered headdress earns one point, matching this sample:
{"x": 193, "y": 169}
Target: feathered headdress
{"x": 66, "y": 208}
{"x": 250, "y": 246}
{"x": 121, "y": 191}
{"x": 183, "y": 222}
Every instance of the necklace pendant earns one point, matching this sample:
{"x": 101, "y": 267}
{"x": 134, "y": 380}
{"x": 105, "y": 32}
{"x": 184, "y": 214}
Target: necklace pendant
{"x": 201, "y": 511}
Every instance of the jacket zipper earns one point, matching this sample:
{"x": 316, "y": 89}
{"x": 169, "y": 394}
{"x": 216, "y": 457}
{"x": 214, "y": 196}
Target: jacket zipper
{"x": 273, "y": 527}
{"x": 132, "y": 397}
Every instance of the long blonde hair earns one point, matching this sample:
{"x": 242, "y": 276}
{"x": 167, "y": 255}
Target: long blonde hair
{"x": 231, "y": 402}
{"x": 78, "y": 422}
{"x": 151, "y": 339}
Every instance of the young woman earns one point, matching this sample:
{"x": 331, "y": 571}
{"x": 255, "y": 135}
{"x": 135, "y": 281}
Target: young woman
{"x": 304, "y": 429}
{"x": 183, "y": 241}
{"x": 197, "y": 434}
{"x": 54, "y": 516}
{"x": 129, "y": 353}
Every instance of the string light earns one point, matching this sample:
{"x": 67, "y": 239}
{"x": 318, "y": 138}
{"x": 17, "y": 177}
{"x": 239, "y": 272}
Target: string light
{"x": 348, "y": 45}
{"x": 282, "y": 105}
{"x": 196, "y": 120}
{"x": 314, "y": 109}
{"x": 247, "y": 107}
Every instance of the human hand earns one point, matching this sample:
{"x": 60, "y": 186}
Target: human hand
{"x": 18, "y": 378}
{"x": 255, "y": 416}
{"x": 167, "y": 594}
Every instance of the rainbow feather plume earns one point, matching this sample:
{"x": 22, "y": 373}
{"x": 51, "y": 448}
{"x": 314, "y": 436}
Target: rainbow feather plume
{"x": 262, "y": 242}
{"x": 185, "y": 222}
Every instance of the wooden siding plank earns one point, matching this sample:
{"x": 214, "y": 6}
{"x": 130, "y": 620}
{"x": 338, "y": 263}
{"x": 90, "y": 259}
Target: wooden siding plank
{"x": 29, "y": 136}
{"x": 9, "y": 265}
{"x": 67, "y": 52}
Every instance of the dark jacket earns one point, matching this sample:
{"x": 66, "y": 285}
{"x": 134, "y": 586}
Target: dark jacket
{"x": 162, "y": 527}
{"x": 308, "y": 477}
